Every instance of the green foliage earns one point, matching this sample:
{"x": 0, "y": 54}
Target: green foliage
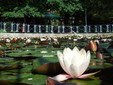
{"x": 65, "y": 6}
{"x": 99, "y": 10}
{"x": 37, "y": 8}
{"x": 91, "y": 81}
{"x": 21, "y": 12}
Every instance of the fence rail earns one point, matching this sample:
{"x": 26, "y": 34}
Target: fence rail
{"x": 35, "y": 28}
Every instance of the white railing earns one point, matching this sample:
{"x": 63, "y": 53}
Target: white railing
{"x": 35, "y": 28}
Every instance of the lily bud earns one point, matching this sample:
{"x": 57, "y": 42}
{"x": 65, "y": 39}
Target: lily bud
{"x": 74, "y": 44}
{"x": 93, "y": 45}
{"x": 99, "y": 55}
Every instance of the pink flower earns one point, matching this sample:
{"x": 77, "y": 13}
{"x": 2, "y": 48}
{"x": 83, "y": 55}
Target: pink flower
{"x": 93, "y": 45}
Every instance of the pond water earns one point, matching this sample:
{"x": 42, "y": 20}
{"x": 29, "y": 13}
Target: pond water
{"x": 18, "y": 60}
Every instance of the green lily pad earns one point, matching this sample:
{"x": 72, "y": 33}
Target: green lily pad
{"x": 103, "y": 45}
{"x": 90, "y": 81}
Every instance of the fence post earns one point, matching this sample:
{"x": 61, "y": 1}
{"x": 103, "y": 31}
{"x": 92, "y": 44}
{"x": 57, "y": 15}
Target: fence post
{"x": 71, "y": 29}
{"x": 17, "y": 27}
{"x": 95, "y": 28}
{"x": 0, "y": 25}
{"x": 39, "y": 28}
{"x": 63, "y": 29}
{"x": 85, "y": 28}
{"x": 23, "y": 28}
{"x": 51, "y": 28}
{"x": 58, "y": 29}
{"x": 12, "y": 26}
{"x": 34, "y": 28}
{"x": 46, "y": 28}
{"x": 77, "y": 29}
{"x": 112, "y": 28}
{"x": 28, "y": 28}
{"x": 107, "y": 28}
{"x": 89, "y": 28}
{"x": 100, "y": 28}
{"x": 4, "y": 27}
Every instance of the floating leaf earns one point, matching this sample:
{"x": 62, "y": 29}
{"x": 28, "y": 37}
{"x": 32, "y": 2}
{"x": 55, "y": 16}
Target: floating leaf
{"x": 51, "y": 81}
{"x": 90, "y": 81}
{"x": 49, "y": 69}
{"x": 6, "y": 82}
{"x": 6, "y": 67}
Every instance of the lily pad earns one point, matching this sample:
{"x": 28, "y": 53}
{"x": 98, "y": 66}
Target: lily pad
{"x": 6, "y": 82}
{"x": 90, "y": 81}
{"x": 49, "y": 69}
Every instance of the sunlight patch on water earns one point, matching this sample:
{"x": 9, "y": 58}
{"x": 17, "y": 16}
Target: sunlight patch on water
{"x": 43, "y": 51}
{"x": 48, "y": 56}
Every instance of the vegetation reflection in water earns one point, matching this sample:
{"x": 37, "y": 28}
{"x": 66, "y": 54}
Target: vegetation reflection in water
{"x": 19, "y": 58}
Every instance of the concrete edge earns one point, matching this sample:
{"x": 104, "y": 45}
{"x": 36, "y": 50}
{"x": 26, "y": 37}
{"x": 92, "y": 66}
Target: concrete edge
{"x": 34, "y": 35}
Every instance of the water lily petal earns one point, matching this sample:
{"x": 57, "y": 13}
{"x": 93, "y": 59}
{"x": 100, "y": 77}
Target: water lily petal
{"x": 79, "y": 58}
{"x": 82, "y": 55}
{"x": 88, "y": 56}
{"x": 88, "y": 75}
{"x": 78, "y": 68}
{"x": 67, "y": 66}
{"x": 62, "y": 77}
{"x": 85, "y": 63}
{"x": 75, "y": 49}
{"x": 82, "y": 68}
{"x": 60, "y": 57}
{"x": 66, "y": 51}
{"x": 76, "y": 53}
{"x": 51, "y": 81}
{"x": 75, "y": 57}
{"x": 74, "y": 71}
{"x": 83, "y": 52}
{"x": 67, "y": 55}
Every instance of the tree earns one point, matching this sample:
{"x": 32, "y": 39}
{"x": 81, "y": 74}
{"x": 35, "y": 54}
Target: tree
{"x": 37, "y": 8}
{"x": 65, "y": 6}
{"x": 99, "y": 11}
{"x": 20, "y": 9}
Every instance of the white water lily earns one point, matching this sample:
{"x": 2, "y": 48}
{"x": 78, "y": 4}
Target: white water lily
{"x": 28, "y": 40}
{"x": 74, "y": 63}
{"x": 75, "y": 39}
{"x": 8, "y": 40}
{"x": 43, "y": 39}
